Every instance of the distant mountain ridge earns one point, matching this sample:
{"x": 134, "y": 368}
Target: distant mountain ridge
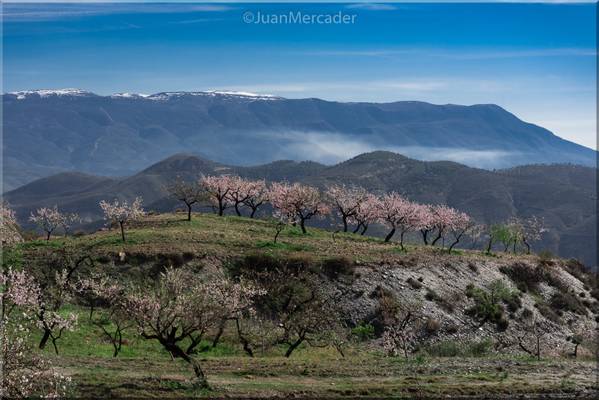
{"x": 564, "y": 195}
{"x": 47, "y": 131}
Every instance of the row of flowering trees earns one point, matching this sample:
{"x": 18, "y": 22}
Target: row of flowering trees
{"x": 355, "y": 207}
{"x": 296, "y": 203}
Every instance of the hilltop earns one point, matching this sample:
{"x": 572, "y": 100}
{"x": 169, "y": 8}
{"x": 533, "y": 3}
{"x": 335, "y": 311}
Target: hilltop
{"x": 564, "y": 195}
{"x": 366, "y": 273}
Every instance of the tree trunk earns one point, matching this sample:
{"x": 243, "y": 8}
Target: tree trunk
{"x": 48, "y": 236}
{"x": 122, "y": 225}
{"x": 303, "y": 226}
{"x": 457, "y": 240}
{"x": 424, "y": 237}
{"x": 197, "y": 369}
{"x": 219, "y": 333}
{"x": 527, "y": 246}
{"x": 401, "y": 241}
{"x": 294, "y": 346}
{"x": 253, "y": 211}
{"x": 221, "y": 208}
{"x": 489, "y": 245}
{"x": 364, "y": 228}
{"x": 45, "y": 338}
{"x": 344, "y": 219}
{"x": 390, "y": 235}
{"x": 189, "y": 212}
{"x": 357, "y": 228}
{"x": 237, "y": 210}
{"x": 246, "y": 344}
{"x": 436, "y": 239}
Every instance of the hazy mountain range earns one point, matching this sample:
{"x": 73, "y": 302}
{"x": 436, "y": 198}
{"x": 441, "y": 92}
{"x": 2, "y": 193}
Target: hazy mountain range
{"x": 564, "y": 195}
{"x": 49, "y": 131}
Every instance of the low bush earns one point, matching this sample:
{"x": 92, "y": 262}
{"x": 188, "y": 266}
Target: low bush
{"x": 431, "y": 326}
{"x": 431, "y": 295}
{"x": 487, "y": 303}
{"x": 567, "y": 302}
{"x": 414, "y": 284}
{"x": 546, "y": 311}
{"x": 527, "y": 278}
{"x": 363, "y": 332}
{"x": 335, "y": 267}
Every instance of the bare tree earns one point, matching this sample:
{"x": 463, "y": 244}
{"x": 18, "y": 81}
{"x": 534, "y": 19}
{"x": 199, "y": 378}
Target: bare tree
{"x": 530, "y": 340}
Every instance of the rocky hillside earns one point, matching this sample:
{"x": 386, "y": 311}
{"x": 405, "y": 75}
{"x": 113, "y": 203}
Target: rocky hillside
{"x": 464, "y": 297}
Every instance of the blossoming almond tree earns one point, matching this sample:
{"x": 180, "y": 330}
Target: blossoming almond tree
{"x": 9, "y": 228}
{"x": 299, "y": 202}
{"x": 121, "y": 212}
{"x": 368, "y": 212}
{"x": 24, "y": 374}
{"x": 179, "y": 310}
{"x": 346, "y": 201}
{"x": 189, "y": 193}
{"x": 257, "y": 196}
{"x": 218, "y": 189}
{"x": 48, "y": 219}
{"x": 460, "y": 224}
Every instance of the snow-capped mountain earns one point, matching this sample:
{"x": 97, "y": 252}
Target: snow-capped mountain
{"x": 74, "y": 129}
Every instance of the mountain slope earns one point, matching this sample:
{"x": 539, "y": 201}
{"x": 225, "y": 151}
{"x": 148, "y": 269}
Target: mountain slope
{"x": 564, "y": 195}
{"x": 120, "y": 134}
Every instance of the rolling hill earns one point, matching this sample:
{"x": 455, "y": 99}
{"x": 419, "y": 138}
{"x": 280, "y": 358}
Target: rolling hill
{"x": 564, "y": 195}
{"x": 48, "y": 131}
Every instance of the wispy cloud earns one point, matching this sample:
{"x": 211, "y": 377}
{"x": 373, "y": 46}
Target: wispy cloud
{"x": 373, "y": 6}
{"x": 460, "y": 54}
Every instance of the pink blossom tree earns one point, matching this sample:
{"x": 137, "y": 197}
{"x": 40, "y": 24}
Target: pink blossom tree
{"x": 218, "y": 189}
{"x": 442, "y": 216}
{"x": 391, "y": 212}
{"x": 257, "y": 196}
{"x": 24, "y": 374}
{"x": 298, "y": 202}
{"x": 189, "y": 193}
{"x": 346, "y": 201}
{"x": 9, "y": 228}
{"x": 246, "y": 192}
{"x": 48, "y": 219}
{"x": 426, "y": 223}
{"x": 460, "y": 224}
{"x": 121, "y": 212}
{"x": 367, "y": 213}
{"x": 182, "y": 307}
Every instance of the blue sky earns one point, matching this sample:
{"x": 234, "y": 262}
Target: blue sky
{"x": 536, "y": 60}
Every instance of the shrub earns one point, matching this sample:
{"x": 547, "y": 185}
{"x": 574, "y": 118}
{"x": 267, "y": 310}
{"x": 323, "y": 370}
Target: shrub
{"x": 547, "y": 312}
{"x": 472, "y": 267}
{"x": 363, "y": 332}
{"x": 546, "y": 257}
{"x": 451, "y": 329}
{"x": 431, "y": 295}
{"x": 431, "y": 326}
{"x": 338, "y": 266}
{"x": 487, "y": 307}
{"x": 527, "y": 278}
{"x": 567, "y": 302}
{"x": 414, "y": 283}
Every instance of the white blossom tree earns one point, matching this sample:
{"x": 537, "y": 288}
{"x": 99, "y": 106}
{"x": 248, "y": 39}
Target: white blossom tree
{"x": 121, "y": 212}
{"x": 9, "y": 228}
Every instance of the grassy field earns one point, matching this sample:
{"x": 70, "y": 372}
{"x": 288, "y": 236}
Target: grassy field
{"x": 144, "y": 369}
